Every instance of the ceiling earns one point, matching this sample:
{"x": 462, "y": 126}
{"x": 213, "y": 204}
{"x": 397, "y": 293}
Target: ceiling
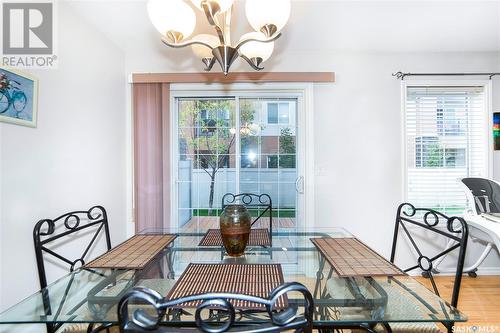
{"x": 326, "y": 26}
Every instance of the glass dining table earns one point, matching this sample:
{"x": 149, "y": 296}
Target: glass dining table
{"x": 91, "y": 295}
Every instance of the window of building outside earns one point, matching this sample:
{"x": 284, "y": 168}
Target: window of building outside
{"x": 278, "y": 113}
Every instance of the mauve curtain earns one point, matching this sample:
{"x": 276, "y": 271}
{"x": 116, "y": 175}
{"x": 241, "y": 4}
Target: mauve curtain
{"x": 151, "y": 155}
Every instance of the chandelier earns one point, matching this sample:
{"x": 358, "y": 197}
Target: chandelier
{"x": 176, "y": 21}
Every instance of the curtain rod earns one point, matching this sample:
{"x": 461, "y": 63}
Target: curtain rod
{"x": 401, "y": 75}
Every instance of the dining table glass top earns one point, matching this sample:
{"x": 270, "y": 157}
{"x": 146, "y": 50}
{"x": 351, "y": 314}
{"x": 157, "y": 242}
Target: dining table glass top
{"x": 91, "y": 295}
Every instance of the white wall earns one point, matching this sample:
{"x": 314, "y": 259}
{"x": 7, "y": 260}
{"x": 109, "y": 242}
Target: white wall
{"x": 74, "y": 159}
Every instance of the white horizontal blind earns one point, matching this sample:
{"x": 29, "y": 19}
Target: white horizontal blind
{"x": 446, "y": 139}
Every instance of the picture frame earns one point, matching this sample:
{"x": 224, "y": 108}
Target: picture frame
{"x": 18, "y": 97}
{"x": 496, "y": 130}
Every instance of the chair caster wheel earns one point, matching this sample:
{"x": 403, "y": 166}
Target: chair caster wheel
{"x": 472, "y": 274}
{"x": 426, "y": 275}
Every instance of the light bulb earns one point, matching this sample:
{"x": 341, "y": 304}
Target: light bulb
{"x": 266, "y": 12}
{"x": 202, "y": 51}
{"x": 223, "y": 4}
{"x": 172, "y": 16}
{"x": 256, "y": 49}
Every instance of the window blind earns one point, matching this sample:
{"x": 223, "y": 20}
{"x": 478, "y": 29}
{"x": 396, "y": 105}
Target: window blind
{"x": 446, "y": 138}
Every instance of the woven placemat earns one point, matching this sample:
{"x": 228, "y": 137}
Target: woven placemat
{"x": 134, "y": 253}
{"x": 349, "y": 257}
{"x": 258, "y": 237}
{"x": 249, "y": 279}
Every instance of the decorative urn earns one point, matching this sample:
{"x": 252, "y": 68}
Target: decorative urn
{"x": 235, "y": 223}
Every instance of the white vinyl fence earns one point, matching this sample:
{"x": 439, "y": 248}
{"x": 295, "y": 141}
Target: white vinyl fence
{"x": 194, "y": 189}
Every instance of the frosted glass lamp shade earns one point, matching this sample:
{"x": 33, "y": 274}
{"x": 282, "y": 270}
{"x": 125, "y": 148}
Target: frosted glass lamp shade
{"x": 172, "y": 15}
{"x": 202, "y": 51}
{"x": 256, "y": 49}
{"x": 223, "y": 4}
{"x": 264, "y": 12}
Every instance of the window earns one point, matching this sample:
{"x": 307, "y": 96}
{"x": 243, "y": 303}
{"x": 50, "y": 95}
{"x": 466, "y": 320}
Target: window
{"x": 454, "y": 157}
{"x": 205, "y": 160}
{"x": 272, "y": 162}
{"x": 429, "y": 153}
{"x": 210, "y": 120}
{"x": 224, "y": 144}
{"x": 447, "y": 123}
{"x": 446, "y": 139}
{"x": 278, "y": 113}
{"x": 272, "y": 113}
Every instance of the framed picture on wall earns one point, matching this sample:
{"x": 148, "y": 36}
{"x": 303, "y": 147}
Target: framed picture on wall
{"x": 496, "y": 130}
{"x": 18, "y": 97}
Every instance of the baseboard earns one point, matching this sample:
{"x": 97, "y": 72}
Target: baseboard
{"x": 488, "y": 271}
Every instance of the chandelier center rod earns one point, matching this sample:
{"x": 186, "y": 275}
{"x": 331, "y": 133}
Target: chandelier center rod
{"x": 212, "y": 9}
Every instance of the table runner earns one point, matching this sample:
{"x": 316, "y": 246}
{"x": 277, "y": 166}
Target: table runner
{"x": 134, "y": 253}
{"x": 250, "y": 279}
{"x": 258, "y": 237}
{"x": 349, "y": 257}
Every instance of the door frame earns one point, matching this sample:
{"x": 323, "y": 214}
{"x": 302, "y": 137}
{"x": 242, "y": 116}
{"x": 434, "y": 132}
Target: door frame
{"x": 305, "y": 144}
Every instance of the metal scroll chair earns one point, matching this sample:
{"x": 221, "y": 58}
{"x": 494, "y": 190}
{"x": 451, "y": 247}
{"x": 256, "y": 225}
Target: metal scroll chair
{"x": 412, "y": 222}
{"x": 49, "y": 234}
{"x": 260, "y": 202}
{"x": 143, "y": 310}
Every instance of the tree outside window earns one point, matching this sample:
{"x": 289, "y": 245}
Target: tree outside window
{"x": 287, "y": 149}
{"x": 208, "y": 132}
{"x": 429, "y": 153}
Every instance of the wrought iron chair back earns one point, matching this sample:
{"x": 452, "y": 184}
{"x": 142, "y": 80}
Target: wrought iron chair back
{"x": 47, "y": 231}
{"x": 138, "y": 320}
{"x": 454, "y": 228}
{"x": 261, "y": 202}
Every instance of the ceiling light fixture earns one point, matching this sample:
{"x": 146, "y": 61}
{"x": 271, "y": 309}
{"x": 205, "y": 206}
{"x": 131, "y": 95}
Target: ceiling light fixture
{"x": 176, "y": 21}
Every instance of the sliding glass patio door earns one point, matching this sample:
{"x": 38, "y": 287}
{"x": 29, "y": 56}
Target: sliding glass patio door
{"x": 235, "y": 144}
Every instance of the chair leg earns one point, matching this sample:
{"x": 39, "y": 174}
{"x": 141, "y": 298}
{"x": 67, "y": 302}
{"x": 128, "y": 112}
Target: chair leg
{"x": 471, "y": 270}
{"x": 50, "y": 328}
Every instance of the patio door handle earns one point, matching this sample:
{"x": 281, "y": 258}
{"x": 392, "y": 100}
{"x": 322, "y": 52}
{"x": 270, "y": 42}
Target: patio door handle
{"x": 299, "y": 185}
